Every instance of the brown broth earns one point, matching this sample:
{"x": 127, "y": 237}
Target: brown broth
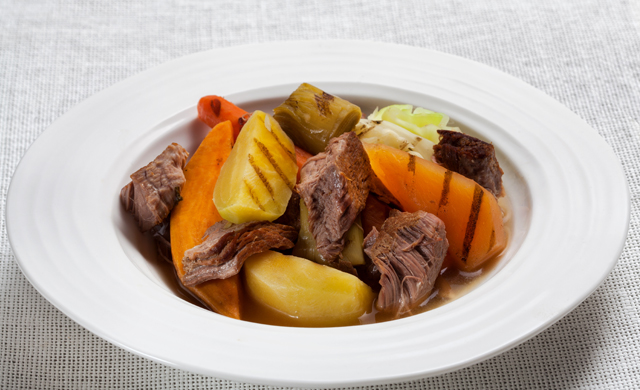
{"x": 170, "y": 277}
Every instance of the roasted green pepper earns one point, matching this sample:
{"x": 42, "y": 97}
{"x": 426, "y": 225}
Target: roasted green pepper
{"x": 311, "y": 117}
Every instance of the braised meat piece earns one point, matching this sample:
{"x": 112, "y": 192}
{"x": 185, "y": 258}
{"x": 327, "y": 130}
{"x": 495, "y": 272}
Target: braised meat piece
{"x": 155, "y": 188}
{"x": 408, "y": 252}
{"x": 334, "y": 186}
{"x": 226, "y": 246}
{"x": 470, "y": 157}
{"x": 374, "y": 214}
{"x": 291, "y": 215}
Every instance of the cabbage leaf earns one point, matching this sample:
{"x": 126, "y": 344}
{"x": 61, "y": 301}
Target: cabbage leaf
{"x": 390, "y": 134}
{"x": 419, "y": 121}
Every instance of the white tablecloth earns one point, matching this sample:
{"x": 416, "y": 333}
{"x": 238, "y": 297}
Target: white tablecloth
{"x": 586, "y": 54}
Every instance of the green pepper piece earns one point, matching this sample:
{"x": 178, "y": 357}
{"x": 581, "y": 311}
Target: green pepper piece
{"x": 311, "y": 117}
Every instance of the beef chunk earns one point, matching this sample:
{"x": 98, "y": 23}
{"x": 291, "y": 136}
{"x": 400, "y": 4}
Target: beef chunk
{"x": 291, "y": 215}
{"x": 226, "y": 246}
{"x": 408, "y": 252}
{"x": 334, "y": 185}
{"x": 155, "y": 189}
{"x": 470, "y": 157}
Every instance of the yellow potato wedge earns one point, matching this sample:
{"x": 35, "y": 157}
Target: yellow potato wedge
{"x": 256, "y": 180}
{"x": 314, "y": 294}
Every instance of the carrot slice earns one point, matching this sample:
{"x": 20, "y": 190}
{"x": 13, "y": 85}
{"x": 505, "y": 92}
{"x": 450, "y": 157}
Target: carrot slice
{"x": 470, "y": 213}
{"x": 196, "y": 213}
{"x": 301, "y": 157}
{"x": 215, "y": 109}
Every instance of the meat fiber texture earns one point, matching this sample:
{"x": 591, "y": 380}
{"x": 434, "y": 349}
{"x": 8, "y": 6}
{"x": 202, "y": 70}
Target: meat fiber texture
{"x": 155, "y": 189}
{"x": 470, "y": 157}
{"x": 291, "y": 215}
{"x": 226, "y": 247}
{"x": 334, "y": 186}
{"x": 408, "y": 251}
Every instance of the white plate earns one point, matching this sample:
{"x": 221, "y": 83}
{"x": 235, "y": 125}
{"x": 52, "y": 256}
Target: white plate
{"x": 76, "y": 246}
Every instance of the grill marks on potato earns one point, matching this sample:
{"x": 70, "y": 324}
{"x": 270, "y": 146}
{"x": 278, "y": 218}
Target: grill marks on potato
{"x": 273, "y": 163}
{"x": 478, "y": 193}
{"x": 287, "y": 152}
{"x": 261, "y": 175}
{"x": 252, "y": 193}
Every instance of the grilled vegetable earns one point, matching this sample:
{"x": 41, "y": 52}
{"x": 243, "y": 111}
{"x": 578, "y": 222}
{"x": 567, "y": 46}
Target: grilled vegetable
{"x": 420, "y": 121}
{"x": 390, "y": 134}
{"x": 471, "y": 213}
{"x": 311, "y": 117}
{"x": 313, "y": 294}
{"x": 256, "y": 181}
{"x": 195, "y": 213}
{"x": 215, "y": 109}
{"x": 306, "y": 246}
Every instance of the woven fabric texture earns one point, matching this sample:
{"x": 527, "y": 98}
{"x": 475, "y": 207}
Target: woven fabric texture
{"x": 586, "y": 54}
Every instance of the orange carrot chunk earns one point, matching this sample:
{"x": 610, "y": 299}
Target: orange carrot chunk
{"x": 215, "y": 109}
{"x": 301, "y": 157}
{"x": 196, "y": 212}
{"x": 470, "y": 213}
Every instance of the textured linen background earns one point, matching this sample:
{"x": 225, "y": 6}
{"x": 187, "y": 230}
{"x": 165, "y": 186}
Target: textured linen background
{"x": 54, "y": 54}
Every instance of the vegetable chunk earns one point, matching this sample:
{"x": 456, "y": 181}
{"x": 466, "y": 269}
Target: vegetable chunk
{"x": 215, "y": 109}
{"x": 196, "y": 212}
{"x": 256, "y": 181}
{"x": 390, "y": 134}
{"x": 419, "y": 121}
{"x": 314, "y": 294}
{"x": 471, "y": 213}
{"x": 311, "y": 117}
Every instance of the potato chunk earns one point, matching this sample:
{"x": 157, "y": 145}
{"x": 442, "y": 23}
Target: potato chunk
{"x": 256, "y": 181}
{"x": 314, "y": 294}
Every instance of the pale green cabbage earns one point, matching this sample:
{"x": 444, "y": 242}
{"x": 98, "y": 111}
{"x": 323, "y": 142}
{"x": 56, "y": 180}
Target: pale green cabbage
{"x": 419, "y": 121}
{"x": 387, "y": 133}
